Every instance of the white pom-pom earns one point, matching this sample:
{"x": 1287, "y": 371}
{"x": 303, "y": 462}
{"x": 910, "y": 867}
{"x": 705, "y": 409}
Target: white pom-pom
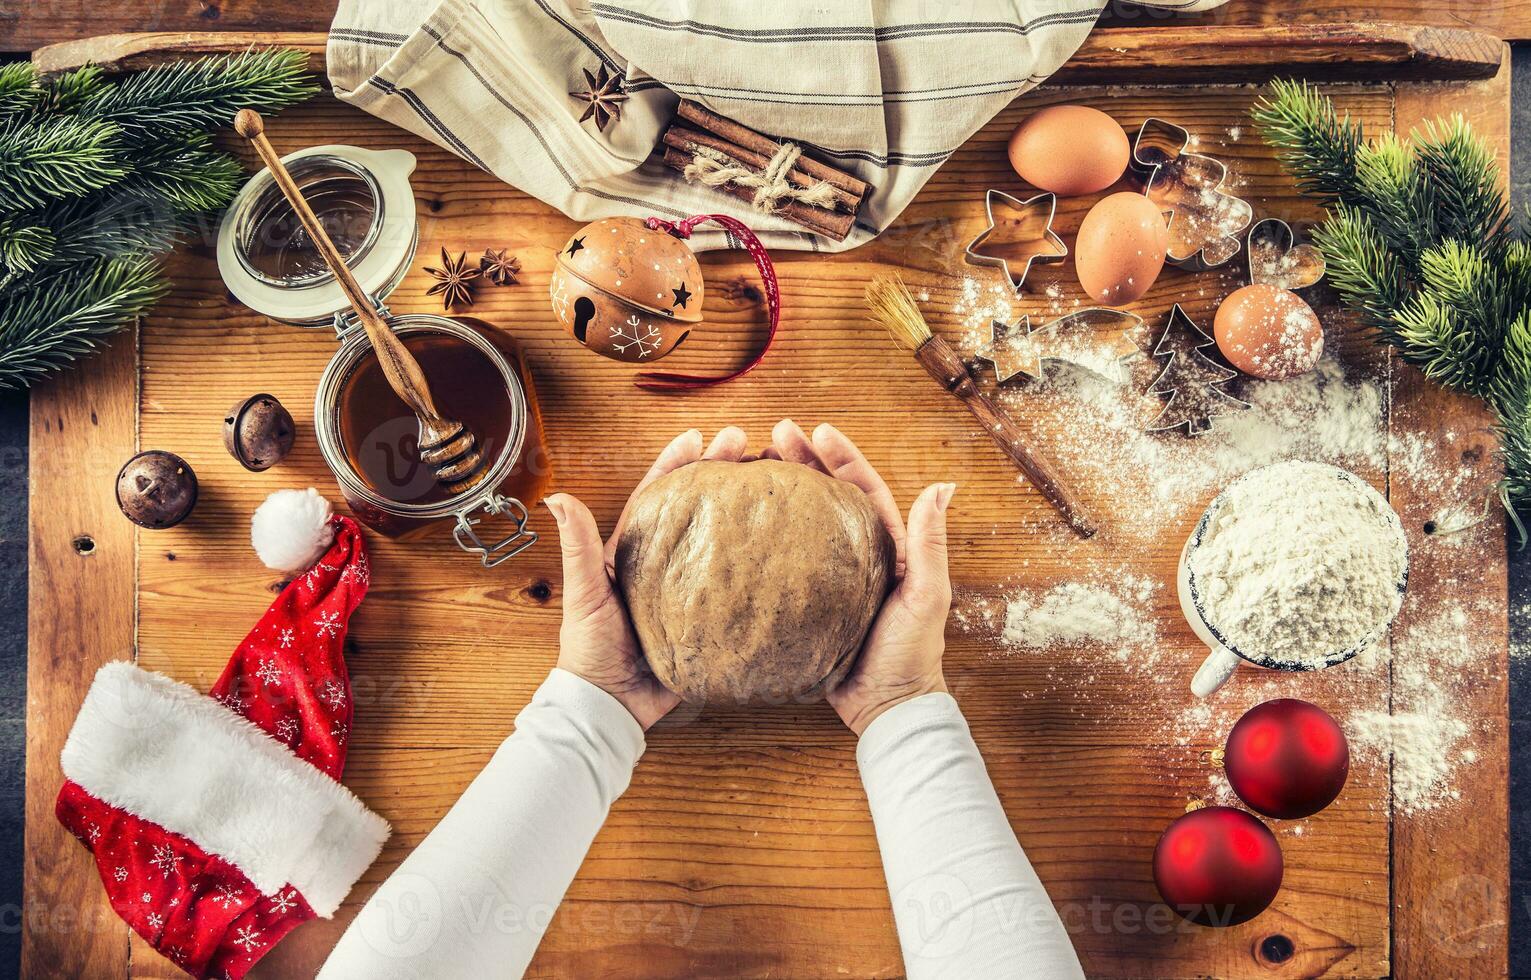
{"x": 291, "y": 530}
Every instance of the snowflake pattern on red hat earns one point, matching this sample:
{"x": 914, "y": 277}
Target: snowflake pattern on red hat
{"x": 289, "y": 678}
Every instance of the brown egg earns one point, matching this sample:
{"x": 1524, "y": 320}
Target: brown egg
{"x": 1268, "y": 332}
{"x": 1120, "y": 248}
{"x": 1069, "y": 149}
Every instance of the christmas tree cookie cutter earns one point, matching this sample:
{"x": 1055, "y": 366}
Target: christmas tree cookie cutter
{"x": 1018, "y": 239}
{"x": 1206, "y": 221}
{"x": 1192, "y": 381}
{"x": 1097, "y": 340}
{"x": 1277, "y": 259}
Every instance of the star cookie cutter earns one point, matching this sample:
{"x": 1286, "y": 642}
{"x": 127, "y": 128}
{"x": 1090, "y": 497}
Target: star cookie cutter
{"x": 1206, "y": 222}
{"x": 1193, "y": 381}
{"x": 1098, "y": 340}
{"x": 1017, "y": 241}
{"x": 1276, "y": 259}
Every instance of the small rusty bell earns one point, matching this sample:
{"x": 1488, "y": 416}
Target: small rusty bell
{"x": 626, "y": 291}
{"x": 156, "y": 489}
{"x": 258, "y": 431}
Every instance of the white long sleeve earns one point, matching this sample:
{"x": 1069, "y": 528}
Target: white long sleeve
{"x": 965, "y": 899}
{"x": 476, "y": 896}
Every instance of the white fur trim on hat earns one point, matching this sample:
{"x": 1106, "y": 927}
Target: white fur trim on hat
{"x": 167, "y": 753}
{"x": 291, "y": 529}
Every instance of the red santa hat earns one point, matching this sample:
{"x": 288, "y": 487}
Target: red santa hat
{"x": 217, "y": 821}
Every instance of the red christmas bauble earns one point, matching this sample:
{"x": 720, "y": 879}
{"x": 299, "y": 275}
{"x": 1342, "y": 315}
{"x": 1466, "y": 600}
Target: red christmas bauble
{"x": 1287, "y": 758}
{"x": 1218, "y": 866}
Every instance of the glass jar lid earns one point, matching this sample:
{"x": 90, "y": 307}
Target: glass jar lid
{"x": 364, "y": 201}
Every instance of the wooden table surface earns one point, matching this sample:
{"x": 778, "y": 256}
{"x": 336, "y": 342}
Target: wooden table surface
{"x": 744, "y": 847}
{"x": 26, "y": 25}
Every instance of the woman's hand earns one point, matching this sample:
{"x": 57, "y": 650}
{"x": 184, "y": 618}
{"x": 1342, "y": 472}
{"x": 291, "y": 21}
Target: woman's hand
{"x": 596, "y": 640}
{"x": 901, "y": 658}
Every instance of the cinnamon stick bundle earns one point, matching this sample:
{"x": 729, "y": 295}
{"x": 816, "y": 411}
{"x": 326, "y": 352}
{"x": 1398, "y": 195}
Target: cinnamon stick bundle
{"x": 700, "y": 137}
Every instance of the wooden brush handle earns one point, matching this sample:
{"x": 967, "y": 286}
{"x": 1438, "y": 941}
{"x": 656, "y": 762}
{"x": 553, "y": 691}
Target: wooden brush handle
{"x": 943, "y": 364}
{"x": 399, "y": 365}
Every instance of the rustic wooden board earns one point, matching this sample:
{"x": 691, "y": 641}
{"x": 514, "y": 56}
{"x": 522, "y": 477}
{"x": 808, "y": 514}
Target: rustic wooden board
{"x": 81, "y": 606}
{"x": 1507, "y": 19}
{"x": 1451, "y": 876}
{"x": 31, "y": 24}
{"x": 1372, "y": 51}
{"x": 743, "y": 847}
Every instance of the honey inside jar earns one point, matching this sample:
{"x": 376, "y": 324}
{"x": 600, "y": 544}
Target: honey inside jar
{"x": 380, "y": 435}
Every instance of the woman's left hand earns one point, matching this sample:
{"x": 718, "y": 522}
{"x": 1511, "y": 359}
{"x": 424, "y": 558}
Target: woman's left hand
{"x": 596, "y": 641}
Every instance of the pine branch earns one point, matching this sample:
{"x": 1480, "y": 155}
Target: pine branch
{"x": 18, "y": 87}
{"x": 52, "y": 319}
{"x": 46, "y": 158}
{"x": 1465, "y": 179}
{"x": 1512, "y": 375}
{"x": 1515, "y": 270}
{"x": 108, "y": 223}
{"x": 25, "y": 246}
{"x": 72, "y": 89}
{"x": 97, "y": 175}
{"x": 1454, "y": 326}
{"x": 195, "y": 181}
{"x": 188, "y": 173}
{"x": 1361, "y": 267}
{"x": 1314, "y": 142}
{"x": 203, "y": 94}
{"x": 1398, "y": 198}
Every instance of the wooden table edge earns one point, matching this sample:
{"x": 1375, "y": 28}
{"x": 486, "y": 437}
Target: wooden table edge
{"x": 81, "y": 614}
{"x": 1379, "y": 51}
{"x": 1470, "y": 838}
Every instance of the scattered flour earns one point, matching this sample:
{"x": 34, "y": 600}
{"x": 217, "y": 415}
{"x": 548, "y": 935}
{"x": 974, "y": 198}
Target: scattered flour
{"x": 1407, "y": 717}
{"x": 1115, "y": 620}
{"x": 1424, "y": 734}
{"x": 1326, "y": 415}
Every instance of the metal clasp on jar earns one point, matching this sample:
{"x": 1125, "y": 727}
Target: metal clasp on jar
{"x": 504, "y": 549}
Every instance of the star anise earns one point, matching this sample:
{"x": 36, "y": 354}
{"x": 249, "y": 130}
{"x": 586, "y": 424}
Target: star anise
{"x": 605, "y": 94}
{"x": 455, "y": 285}
{"x": 502, "y": 269}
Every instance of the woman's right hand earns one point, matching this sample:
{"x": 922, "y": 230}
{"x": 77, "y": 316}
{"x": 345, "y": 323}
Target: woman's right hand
{"x": 901, "y": 658}
{"x": 596, "y": 640}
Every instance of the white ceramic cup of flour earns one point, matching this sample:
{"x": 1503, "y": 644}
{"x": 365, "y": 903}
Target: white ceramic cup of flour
{"x": 1223, "y": 657}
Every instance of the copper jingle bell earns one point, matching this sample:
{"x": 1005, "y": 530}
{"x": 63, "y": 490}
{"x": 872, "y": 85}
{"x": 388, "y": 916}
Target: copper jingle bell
{"x": 627, "y": 291}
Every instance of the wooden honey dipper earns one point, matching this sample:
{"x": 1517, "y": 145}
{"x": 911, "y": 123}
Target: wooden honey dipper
{"x": 446, "y": 445}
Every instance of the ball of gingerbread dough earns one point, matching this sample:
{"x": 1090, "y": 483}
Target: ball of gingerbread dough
{"x": 752, "y": 582}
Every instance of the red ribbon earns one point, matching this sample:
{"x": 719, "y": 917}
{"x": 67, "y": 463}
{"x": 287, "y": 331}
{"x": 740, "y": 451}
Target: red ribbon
{"x": 662, "y": 381}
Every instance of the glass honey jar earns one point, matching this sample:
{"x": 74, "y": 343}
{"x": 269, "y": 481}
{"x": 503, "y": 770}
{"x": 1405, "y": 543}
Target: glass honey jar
{"x": 366, "y": 433}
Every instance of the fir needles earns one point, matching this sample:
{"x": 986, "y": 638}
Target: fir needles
{"x": 1420, "y": 243}
{"x": 98, "y": 174}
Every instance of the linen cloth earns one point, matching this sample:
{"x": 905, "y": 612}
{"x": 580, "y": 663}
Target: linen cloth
{"x": 885, "y": 89}
{"x": 476, "y": 896}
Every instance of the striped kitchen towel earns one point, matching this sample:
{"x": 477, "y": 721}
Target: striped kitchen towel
{"x": 885, "y": 89}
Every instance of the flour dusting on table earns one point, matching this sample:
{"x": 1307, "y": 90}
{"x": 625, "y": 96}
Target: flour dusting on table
{"x": 1109, "y": 643}
{"x": 1116, "y": 620}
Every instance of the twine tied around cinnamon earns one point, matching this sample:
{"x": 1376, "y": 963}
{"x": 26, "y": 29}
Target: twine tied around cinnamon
{"x": 713, "y": 169}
